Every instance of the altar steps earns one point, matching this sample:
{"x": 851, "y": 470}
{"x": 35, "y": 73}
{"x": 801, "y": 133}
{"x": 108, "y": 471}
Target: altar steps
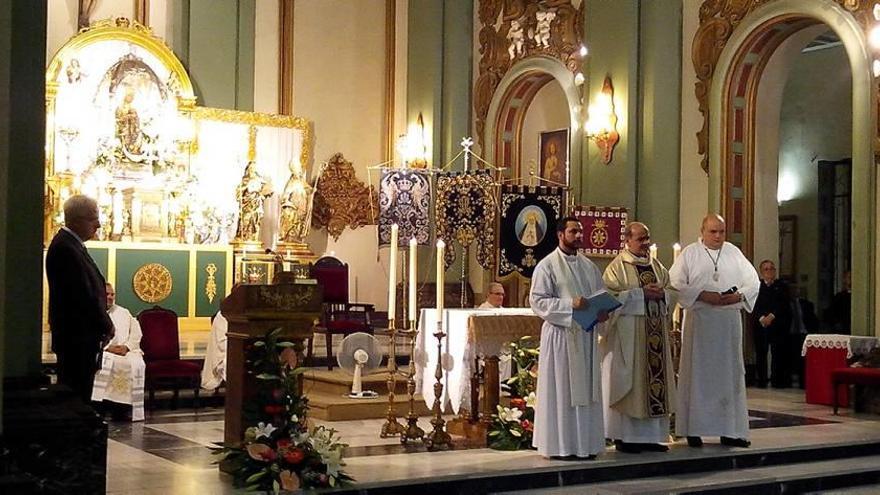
{"x": 328, "y": 396}
{"x": 683, "y": 470}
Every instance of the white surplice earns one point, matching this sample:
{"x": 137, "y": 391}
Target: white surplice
{"x": 121, "y": 378}
{"x": 711, "y": 384}
{"x": 214, "y": 370}
{"x": 568, "y": 416}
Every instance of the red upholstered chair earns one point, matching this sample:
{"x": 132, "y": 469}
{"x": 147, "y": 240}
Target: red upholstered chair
{"x": 161, "y": 346}
{"x": 339, "y": 316}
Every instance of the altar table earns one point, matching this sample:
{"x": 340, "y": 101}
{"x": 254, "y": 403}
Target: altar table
{"x": 824, "y": 353}
{"x": 470, "y": 333}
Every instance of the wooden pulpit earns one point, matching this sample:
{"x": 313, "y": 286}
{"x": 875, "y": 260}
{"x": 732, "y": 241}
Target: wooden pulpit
{"x": 252, "y": 311}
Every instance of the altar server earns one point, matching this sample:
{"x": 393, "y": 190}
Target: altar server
{"x": 639, "y": 371}
{"x": 715, "y": 283}
{"x": 121, "y": 378}
{"x": 214, "y": 370}
{"x": 568, "y": 416}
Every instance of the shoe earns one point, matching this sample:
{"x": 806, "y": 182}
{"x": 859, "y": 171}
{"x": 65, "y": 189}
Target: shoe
{"x": 695, "y": 441}
{"x": 627, "y": 447}
{"x": 735, "y": 442}
{"x": 653, "y": 447}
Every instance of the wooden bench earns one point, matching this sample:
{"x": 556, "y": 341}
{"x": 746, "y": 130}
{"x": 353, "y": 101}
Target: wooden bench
{"x": 853, "y": 376}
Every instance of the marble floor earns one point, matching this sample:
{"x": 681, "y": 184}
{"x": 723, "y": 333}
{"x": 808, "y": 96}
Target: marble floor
{"x": 169, "y": 453}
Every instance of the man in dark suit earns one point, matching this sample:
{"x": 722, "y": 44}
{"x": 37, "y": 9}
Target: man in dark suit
{"x": 78, "y": 315}
{"x": 771, "y": 322}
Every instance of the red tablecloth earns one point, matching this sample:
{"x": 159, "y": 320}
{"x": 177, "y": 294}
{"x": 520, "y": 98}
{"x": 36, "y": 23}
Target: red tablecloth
{"x": 824, "y": 353}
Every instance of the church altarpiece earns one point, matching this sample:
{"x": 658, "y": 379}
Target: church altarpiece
{"x": 184, "y": 192}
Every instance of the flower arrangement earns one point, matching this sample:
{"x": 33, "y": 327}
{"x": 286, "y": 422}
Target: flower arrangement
{"x": 279, "y": 452}
{"x": 512, "y": 427}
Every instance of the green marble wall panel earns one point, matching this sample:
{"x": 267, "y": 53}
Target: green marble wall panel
{"x": 101, "y": 256}
{"x": 204, "y": 306}
{"x": 128, "y": 261}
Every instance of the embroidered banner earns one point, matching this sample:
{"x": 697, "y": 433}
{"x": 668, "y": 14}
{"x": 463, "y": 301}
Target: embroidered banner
{"x": 603, "y": 229}
{"x": 405, "y": 199}
{"x": 527, "y": 229}
{"x": 466, "y": 214}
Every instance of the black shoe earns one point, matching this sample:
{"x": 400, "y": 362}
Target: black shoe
{"x": 627, "y": 447}
{"x": 695, "y": 441}
{"x": 653, "y": 447}
{"x": 735, "y": 442}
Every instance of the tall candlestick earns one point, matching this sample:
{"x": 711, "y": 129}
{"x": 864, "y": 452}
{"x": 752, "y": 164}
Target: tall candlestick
{"x": 413, "y": 313}
{"x": 653, "y": 252}
{"x": 441, "y": 276}
{"x": 676, "y": 250}
{"x": 392, "y": 274}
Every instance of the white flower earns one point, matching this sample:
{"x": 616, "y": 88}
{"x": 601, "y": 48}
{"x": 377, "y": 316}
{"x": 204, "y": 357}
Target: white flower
{"x": 507, "y": 414}
{"x": 264, "y": 430}
{"x": 294, "y": 418}
{"x": 531, "y": 400}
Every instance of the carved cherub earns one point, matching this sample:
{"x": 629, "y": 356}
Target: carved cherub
{"x": 542, "y": 30}
{"x": 517, "y": 39}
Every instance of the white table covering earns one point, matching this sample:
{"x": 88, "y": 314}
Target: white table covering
{"x": 854, "y": 344}
{"x": 458, "y": 354}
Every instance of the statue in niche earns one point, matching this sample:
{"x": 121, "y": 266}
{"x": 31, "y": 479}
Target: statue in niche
{"x": 517, "y": 39}
{"x": 296, "y": 207}
{"x": 542, "y": 30}
{"x": 128, "y": 124}
{"x": 251, "y": 193}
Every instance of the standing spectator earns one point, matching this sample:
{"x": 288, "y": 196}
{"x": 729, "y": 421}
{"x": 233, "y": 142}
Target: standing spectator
{"x": 771, "y": 321}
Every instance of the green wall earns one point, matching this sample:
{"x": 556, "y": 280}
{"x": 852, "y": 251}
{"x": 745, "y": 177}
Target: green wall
{"x": 215, "y": 41}
{"x": 129, "y": 261}
{"x": 204, "y": 307}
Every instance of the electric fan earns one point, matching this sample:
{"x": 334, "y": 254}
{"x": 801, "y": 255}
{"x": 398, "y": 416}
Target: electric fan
{"x": 359, "y": 354}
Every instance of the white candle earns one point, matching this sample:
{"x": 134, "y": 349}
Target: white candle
{"x": 441, "y": 276}
{"x": 392, "y": 273}
{"x": 413, "y": 314}
{"x": 676, "y": 250}
{"x": 653, "y": 252}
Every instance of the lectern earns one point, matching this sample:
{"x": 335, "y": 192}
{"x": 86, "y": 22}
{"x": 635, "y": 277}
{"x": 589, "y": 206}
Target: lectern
{"x": 252, "y": 311}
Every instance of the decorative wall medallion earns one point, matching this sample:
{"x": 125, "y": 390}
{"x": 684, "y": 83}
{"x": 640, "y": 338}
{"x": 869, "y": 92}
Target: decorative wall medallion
{"x": 152, "y": 283}
{"x": 603, "y": 229}
{"x": 211, "y": 284}
{"x": 341, "y": 200}
{"x": 513, "y": 30}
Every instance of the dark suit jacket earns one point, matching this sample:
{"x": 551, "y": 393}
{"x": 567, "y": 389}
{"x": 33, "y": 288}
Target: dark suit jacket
{"x": 77, "y": 297}
{"x": 773, "y": 298}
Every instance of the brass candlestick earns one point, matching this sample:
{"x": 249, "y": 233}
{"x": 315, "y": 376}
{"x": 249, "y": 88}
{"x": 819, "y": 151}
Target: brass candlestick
{"x": 412, "y": 432}
{"x": 391, "y": 427}
{"x": 438, "y": 438}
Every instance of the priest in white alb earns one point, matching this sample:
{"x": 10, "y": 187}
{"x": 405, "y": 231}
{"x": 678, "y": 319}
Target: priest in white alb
{"x": 121, "y": 377}
{"x": 638, "y": 363}
{"x": 716, "y": 283}
{"x": 568, "y": 415}
{"x": 214, "y": 369}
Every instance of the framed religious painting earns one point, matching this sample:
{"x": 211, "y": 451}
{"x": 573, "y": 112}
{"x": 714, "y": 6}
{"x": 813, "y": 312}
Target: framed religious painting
{"x": 553, "y": 155}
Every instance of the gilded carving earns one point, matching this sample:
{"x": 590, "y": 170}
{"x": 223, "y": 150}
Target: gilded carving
{"x": 152, "y": 283}
{"x": 211, "y": 283}
{"x": 513, "y": 30}
{"x": 718, "y": 19}
{"x": 341, "y": 200}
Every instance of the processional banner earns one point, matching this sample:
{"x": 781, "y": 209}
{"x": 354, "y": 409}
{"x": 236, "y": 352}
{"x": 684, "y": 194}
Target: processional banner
{"x": 526, "y": 232}
{"x": 405, "y": 199}
{"x": 466, "y": 214}
{"x": 603, "y": 229}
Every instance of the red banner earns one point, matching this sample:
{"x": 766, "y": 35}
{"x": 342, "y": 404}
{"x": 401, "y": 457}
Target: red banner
{"x": 603, "y": 229}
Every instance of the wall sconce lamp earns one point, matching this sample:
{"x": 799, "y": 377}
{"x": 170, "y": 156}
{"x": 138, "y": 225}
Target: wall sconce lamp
{"x": 413, "y": 146}
{"x": 601, "y": 124}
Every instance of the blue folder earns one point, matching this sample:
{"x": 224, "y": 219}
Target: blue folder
{"x": 600, "y": 301}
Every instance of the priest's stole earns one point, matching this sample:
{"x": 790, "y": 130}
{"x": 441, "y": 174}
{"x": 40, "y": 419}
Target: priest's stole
{"x": 527, "y": 227}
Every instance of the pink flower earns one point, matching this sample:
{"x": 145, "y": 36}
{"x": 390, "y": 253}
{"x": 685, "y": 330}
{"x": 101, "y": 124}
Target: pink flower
{"x": 294, "y": 456}
{"x": 288, "y": 358}
{"x": 289, "y": 480}
{"x": 527, "y": 425}
{"x": 261, "y": 452}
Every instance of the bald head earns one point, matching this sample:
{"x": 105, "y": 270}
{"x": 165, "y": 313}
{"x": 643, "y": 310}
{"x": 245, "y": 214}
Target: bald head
{"x": 713, "y": 231}
{"x": 81, "y": 216}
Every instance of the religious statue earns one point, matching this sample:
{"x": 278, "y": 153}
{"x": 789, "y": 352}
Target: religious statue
{"x": 542, "y": 31}
{"x": 128, "y": 125}
{"x": 296, "y": 207}
{"x": 517, "y": 39}
{"x": 251, "y": 193}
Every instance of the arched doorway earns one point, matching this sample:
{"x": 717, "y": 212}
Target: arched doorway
{"x": 732, "y": 127}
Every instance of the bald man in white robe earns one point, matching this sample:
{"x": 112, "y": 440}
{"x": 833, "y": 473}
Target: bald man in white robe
{"x": 716, "y": 283}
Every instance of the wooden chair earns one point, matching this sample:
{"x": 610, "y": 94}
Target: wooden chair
{"x": 339, "y": 316}
{"x": 161, "y": 346}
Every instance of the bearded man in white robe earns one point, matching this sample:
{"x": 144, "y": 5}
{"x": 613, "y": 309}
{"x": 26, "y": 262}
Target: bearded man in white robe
{"x": 121, "y": 378}
{"x": 715, "y": 283}
{"x": 568, "y": 416}
{"x": 638, "y": 363}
